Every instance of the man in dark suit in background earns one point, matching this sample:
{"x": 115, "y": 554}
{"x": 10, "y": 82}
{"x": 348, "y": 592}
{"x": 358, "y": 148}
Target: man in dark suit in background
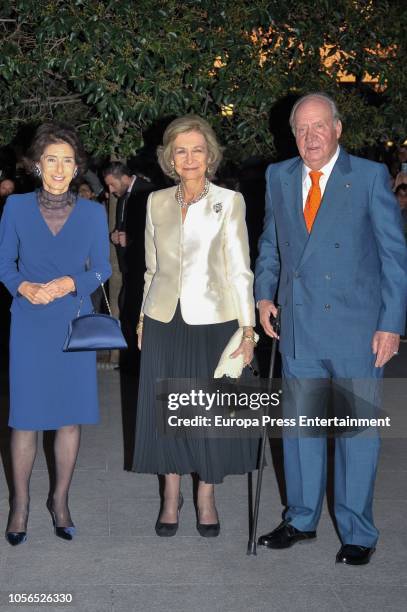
{"x": 334, "y": 253}
{"x": 128, "y": 237}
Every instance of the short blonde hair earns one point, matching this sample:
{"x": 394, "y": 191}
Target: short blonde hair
{"x": 189, "y": 123}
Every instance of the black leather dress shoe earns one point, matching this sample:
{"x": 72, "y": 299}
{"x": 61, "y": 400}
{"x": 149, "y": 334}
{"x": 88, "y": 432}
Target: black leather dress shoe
{"x": 352, "y": 554}
{"x": 284, "y": 536}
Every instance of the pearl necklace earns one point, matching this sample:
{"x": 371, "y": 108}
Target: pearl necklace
{"x": 180, "y": 198}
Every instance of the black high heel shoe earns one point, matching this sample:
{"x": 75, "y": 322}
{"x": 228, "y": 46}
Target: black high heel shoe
{"x": 14, "y": 538}
{"x": 65, "y": 533}
{"x": 167, "y": 530}
{"x": 210, "y": 530}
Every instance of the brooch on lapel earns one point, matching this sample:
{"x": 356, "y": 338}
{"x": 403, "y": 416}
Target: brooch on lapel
{"x": 347, "y": 185}
{"x": 217, "y": 207}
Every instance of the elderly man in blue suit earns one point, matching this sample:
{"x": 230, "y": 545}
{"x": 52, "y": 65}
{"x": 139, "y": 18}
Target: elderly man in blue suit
{"x": 333, "y": 252}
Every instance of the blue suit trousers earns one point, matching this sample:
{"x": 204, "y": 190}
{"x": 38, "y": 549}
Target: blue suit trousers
{"x": 356, "y": 453}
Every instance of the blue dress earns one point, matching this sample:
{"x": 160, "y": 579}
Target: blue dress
{"x": 50, "y": 388}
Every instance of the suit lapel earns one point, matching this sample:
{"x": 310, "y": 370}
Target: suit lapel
{"x": 336, "y": 193}
{"x": 291, "y": 185}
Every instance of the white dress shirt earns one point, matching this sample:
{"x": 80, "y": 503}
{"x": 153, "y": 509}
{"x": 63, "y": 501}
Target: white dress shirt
{"x": 133, "y": 180}
{"x": 326, "y": 173}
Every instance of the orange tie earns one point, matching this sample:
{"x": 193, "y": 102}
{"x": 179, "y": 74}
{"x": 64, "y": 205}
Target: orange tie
{"x": 313, "y": 201}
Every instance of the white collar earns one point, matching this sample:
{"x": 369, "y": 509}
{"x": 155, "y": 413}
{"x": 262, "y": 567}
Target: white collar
{"x": 134, "y": 178}
{"x": 326, "y": 170}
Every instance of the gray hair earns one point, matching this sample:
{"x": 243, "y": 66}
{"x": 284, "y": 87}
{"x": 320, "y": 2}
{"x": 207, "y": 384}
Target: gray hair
{"x": 189, "y": 123}
{"x": 322, "y": 96}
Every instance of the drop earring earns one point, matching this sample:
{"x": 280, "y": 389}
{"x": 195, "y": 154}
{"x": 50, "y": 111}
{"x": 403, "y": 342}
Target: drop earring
{"x": 37, "y": 171}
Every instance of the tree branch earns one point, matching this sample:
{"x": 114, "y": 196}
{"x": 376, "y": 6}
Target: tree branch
{"x": 53, "y": 100}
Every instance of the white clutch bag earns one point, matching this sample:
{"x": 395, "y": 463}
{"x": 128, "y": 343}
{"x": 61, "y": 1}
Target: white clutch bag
{"x": 228, "y": 366}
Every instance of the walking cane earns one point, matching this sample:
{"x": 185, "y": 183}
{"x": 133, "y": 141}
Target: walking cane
{"x": 252, "y": 544}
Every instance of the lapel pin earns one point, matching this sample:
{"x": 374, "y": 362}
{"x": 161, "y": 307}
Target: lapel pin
{"x": 217, "y": 207}
{"x": 347, "y": 185}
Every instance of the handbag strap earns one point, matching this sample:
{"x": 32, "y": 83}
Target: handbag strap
{"x": 104, "y": 292}
{"x": 104, "y": 295}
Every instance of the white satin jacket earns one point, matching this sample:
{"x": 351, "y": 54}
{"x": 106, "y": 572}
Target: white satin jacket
{"x": 204, "y": 262}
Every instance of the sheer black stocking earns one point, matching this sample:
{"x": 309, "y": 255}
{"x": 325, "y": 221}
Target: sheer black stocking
{"x": 66, "y": 448}
{"x": 23, "y": 451}
{"x": 169, "y": 511}
{"x": 207, "y": 513}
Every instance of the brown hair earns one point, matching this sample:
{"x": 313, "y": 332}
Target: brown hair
{"x": 53, "y": 133}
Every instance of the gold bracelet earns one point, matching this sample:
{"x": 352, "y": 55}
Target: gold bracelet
{"x": 250, "y": 338}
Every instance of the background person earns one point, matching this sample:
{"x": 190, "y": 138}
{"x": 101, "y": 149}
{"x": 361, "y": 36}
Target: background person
{"x": 401, "y": 195}
{"x": 128, "y": 237}
{"x": 7, "y": 187}
{"x": 197, "y": 293}
{"x": 85, "y": 191}
{"x": 46, "y": 238}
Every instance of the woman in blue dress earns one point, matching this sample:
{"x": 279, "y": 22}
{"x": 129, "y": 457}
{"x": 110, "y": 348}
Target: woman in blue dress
{"x": 53, "y": 249}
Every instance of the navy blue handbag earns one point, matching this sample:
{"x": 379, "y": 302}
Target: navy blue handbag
{"x": 94, "y": 331}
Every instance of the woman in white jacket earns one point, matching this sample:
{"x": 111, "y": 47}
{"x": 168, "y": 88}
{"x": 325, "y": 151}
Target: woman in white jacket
{"x": 198, "y": 291}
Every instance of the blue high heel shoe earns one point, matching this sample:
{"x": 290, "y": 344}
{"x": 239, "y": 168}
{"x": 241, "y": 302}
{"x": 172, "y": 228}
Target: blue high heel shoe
{"x": 65, "y": 533}
{"x": 14, "y": 538}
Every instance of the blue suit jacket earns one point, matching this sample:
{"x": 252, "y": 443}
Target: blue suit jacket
{"x": 345, "y": 280}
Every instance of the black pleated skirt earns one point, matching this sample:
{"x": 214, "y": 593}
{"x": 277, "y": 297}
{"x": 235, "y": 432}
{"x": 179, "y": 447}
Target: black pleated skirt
{"x": 177, "y": 350}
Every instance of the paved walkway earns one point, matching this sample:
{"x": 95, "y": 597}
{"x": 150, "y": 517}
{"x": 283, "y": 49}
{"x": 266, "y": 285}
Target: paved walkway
{"x": 117, "y": 563}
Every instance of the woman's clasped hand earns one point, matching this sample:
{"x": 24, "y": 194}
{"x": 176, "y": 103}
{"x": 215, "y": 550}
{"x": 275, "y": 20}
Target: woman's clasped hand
{"x": 44, "y": 293}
